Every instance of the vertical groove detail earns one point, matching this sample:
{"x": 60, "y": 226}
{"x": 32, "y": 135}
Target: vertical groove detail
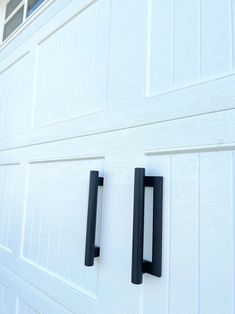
{"x": 169, "y": 235}
{"x": 199, "y": 39}
{"x": 233, "y": 222}
{"x": 173, "y": 43}
{"x": 199, "y": 238}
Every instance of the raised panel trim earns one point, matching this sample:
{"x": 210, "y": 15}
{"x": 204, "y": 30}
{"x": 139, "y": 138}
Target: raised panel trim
{"x": 191, "y": 149}
{"x": 199, "y": 78}
{"x": 35, "y": 267}
{"x": 43, "y": 37}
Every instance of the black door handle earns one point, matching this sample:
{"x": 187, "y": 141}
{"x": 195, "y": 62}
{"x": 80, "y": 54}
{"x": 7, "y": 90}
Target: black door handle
{"x": 92, "y": 250}
{"x": 139, "y": 265}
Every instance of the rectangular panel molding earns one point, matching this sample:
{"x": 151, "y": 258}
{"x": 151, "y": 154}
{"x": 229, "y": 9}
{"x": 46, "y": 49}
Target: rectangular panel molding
{"x": 16, "y": 95}
{"x": 188, "y": 42}
{"x": 198, "y": 233}
{"x": 10, "y": 206}
{"x": 55, "y": 220}
{"x": 72, "y": 67}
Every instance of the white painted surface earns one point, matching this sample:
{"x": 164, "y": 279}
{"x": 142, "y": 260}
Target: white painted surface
{"x": 110, "y": 86}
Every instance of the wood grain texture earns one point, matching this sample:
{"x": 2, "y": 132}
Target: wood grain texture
{"x": 10, "y": 178}
{"x": 196, "y": 45}
{"x": 75, "y": 48}
{"x": 137, "y": 84}
{"x": 54, "y": 227}
{"x": 201, "y": 235}
{"x": 215, "y": 38}
{"x": 15, "y": 95}
{"x": 112, "y": 85}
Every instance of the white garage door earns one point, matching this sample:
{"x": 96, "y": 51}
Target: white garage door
{"x": 112, "y": 86}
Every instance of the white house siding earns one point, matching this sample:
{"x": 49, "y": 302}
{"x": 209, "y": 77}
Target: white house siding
{"x": 109, "y": 86}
